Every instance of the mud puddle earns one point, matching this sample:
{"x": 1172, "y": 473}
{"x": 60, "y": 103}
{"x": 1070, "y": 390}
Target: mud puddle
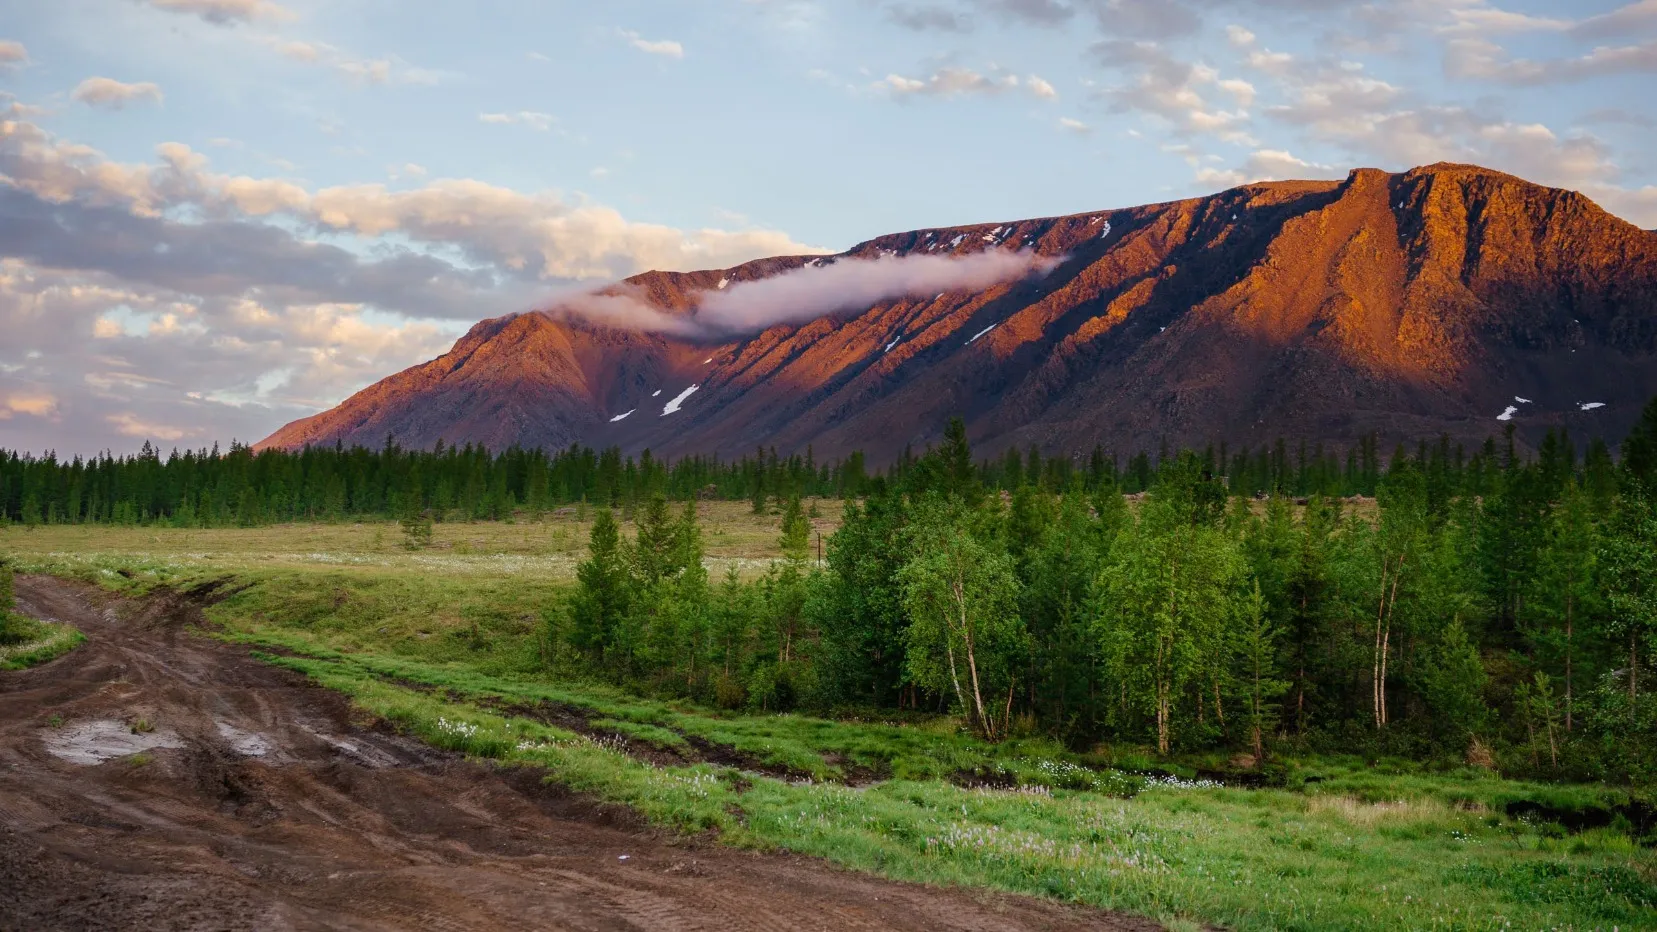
{"x": 91, "y": 743}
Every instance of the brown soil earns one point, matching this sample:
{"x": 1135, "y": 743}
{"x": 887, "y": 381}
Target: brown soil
{"x": 247, "y": 798}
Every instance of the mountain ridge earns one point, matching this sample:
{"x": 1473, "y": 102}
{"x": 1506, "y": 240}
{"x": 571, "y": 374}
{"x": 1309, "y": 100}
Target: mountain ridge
{"x": 1404, "y": 304}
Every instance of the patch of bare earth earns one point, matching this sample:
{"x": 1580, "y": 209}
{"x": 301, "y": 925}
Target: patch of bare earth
{"x": 257, "y": 801}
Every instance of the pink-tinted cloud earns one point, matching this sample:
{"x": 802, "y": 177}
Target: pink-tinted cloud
{"x": 815, "y": 290}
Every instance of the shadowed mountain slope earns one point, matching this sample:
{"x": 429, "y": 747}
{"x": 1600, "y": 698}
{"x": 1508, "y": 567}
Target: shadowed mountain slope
{"x": 1406, "y": 304}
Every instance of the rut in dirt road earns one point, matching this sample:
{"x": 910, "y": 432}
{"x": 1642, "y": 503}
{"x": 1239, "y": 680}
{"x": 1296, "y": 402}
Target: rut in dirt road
{"x": 248, "y": 799}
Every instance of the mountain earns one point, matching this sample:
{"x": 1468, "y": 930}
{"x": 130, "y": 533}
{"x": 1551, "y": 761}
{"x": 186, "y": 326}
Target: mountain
{"x": 1410, "y": 305}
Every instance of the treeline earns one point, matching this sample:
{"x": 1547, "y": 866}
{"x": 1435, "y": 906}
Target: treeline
{"x": 1497, "y": 609}
{"x": 241, "y": 487}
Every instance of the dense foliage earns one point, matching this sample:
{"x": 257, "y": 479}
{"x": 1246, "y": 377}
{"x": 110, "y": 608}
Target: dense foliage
{"x": 207, "y": 488}
{"x": 1442, "y": 604}
{"x": 1500, "y": 610}
{"x": 210, "y": 488}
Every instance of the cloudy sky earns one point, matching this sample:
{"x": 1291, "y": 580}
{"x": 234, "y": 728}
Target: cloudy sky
{"x": 218, "y": 215}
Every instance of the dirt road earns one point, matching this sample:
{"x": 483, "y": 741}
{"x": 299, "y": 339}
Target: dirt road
{"x": 255, "y": 801}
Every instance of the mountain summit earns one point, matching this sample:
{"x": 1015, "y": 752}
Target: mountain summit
{"x": 1446, "y": 299}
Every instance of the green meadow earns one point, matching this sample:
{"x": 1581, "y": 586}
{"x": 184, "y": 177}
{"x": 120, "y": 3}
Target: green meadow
{"x": 448, "y": 644}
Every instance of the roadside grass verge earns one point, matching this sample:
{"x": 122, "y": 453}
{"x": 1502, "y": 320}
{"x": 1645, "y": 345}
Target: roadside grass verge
{"x": 1250, "y": 859}
{"x": 803, "y": 745}
{"x": 37, "y": 642}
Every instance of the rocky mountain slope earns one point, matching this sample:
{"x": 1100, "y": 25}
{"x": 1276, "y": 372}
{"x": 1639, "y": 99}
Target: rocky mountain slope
{"x": 1412, "y": 304}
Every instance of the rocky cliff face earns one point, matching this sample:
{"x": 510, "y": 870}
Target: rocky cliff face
{"x": 1409, "y": 304}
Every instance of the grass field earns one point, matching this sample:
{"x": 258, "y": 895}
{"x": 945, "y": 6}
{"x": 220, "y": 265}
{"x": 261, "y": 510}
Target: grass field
{"x": 549, "y": 549}
{"x": 36, "y": 643}
{"x": 444, "y": 643}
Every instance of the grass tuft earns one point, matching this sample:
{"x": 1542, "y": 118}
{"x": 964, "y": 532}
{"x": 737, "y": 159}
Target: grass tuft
{"x": 40, "y": 642}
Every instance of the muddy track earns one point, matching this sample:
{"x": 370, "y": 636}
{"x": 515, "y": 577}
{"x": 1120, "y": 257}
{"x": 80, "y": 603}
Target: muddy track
{"x": 257, "y": 801}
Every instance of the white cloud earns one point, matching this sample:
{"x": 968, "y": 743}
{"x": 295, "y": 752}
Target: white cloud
{"x": 128, "y": 424}
{"x": 300, "y": 51}
{"x": 1220, "y": 178}
{"x": 539, "y": 236}
{"x": 1174, "y": 91}
{"x": 948, "y": 82}
{"x": 111, "y": 94}
{"x": 197, "y": 281}
{"x": 1264, "y": 165}
{"x": 1624, "y": 20}
{"x": 34, "y": 404}
{"x": 1278, "y": 165}
{"x": 231, "y": 367}
{"x": 224, "y": 12}
{"x": 1074, "y": 125}
{"x": 374, "y": 71}
{"x": 809, "y": 292}
{"x": 356, "y": 68}
{"x": 1239, "y": 89}
{"x": 529, "y": 118}
{"x": 1481, "y": 20}
{"x": 12, "y": 54}
{"x": 955, "y": 82}
{"x": 666, "y": 48}
{"x": 1484, "y": 60}
{"x": 13, "y": 109}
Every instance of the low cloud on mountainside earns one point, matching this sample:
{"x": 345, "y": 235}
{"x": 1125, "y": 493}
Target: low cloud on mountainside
{"x": 812, "y": 291}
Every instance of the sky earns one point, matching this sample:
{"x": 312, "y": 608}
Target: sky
{"x": 217, "y": 216}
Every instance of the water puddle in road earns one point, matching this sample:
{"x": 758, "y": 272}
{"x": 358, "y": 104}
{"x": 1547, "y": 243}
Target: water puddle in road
{"x": 245, "y": 743}
{"x": 95, "y": 742}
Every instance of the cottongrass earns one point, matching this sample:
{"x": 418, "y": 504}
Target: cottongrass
{"x": 1172, "y": 782}
{"x": 1032, "y": 851}
{"x": 457, "y": 729}
{"x": 699, "y": 784}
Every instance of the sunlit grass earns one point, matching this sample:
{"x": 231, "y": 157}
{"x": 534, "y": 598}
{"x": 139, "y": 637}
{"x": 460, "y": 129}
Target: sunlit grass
{"x": 1265, "y": 859}
{"x": 549, "y": 548}
{"x": 39, "y": 642}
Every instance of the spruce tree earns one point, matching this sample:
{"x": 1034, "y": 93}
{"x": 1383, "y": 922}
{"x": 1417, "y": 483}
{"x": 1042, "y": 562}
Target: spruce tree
{"x": 1629, "y": 563}
{"x": 1257, "y": 640}
{"x": 796, "y": 531}
{"x": 603, "y": 589}
{"x": 1452, "y": 683}
{"x": 960, "y": 476}
{"x": 1564, "y": 596}
{"x": 1639, "y": 450}
{"x": 656, "y": 548}
{"x": 758, "y": 488}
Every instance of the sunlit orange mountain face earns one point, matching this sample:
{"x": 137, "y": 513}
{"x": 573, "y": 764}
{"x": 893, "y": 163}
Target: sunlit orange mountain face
{"x": 1445, "y": 300}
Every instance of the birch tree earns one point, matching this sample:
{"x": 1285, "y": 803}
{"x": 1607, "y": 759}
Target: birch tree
{"x": 1166, "y": 598}
{"x": 966, "y": 638}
